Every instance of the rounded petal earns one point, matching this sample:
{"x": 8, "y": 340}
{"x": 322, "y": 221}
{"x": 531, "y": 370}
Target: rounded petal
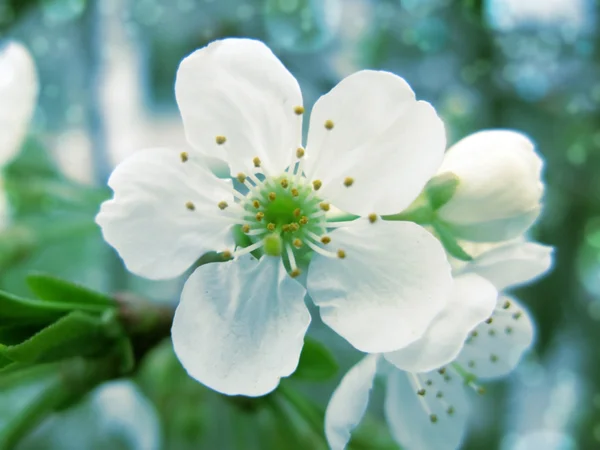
{"x": 512, "y": 264}
{"x": 472, "y": 301}
{"x": 240, "y": 325}
{"x": 495, "y": 348}
{"x": 500, "y": 187}
{"x": 18, "y": 95}
{"x": 349, "y": 402}
{"x": 238, "y": 89}
{"x": 164, "y": 214}
{"x": 383, "y": 295}
{"x": 389, "y": 143}
{"x": 436, "y": 420}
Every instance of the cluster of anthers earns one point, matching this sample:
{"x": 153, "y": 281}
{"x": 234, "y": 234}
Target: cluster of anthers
{"x": 283, "y": 214}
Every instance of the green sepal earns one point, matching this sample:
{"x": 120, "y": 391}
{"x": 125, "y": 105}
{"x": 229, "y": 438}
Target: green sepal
{"x": 316, "y": 362}
{"x": 52, "y": 289}
{"x": 441, "y": 189}
{"x": 419, "y": 211}
{"x": 76, "y": 334}
{"x": 449, "y": 242}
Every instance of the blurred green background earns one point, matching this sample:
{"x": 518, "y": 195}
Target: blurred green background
{"x": 107, "y": 70}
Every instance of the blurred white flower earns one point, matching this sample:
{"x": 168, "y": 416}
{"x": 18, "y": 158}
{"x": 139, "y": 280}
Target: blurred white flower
{"x": 371, "y": 149}
{"x": 18, "y": 94}
{"x": 500, "y": 188}
{"x": 429, "y": 409}
{"x": 116, "y": 415}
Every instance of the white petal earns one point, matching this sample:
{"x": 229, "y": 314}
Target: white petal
{"x": 349, "y": 402}
{"x": 472, "y": 301}
{"x": 512, "y": 264}
{"x": 387, "y": 141}
{"x": 409, "y": 414}
{"x": 497, "y": 347}
{"x": 240, "y": 325}
{"x": 237, "y": 88}
{"x": 383, "y": 295}
{"x": 18, "y": 95}
{"x": 500, "y": 187}
{"x": 148, "y": 221}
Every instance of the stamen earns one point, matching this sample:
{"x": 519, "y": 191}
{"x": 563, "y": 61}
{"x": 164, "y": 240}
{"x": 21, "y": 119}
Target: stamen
{"x": 303, "y": 220}
{"x": 325, "y": 240}
{"x": 297, "y": 243}
{"x": 246, "y": 228}
{"x": 259, "y": 216}
{"x": 284, "y": 183}
{"x": 291, "y": 259}
{"x": 341, "y": 254}
{"x": 272, "y": 196}
{"x": 324, "y": 206}
{"x": 294, "y": 192}
{"x": 271, "y": 226}
{"x": 490, "y": 320}
{"x": 190, "y": 206}
{"x": 184, "y": 156}
{"x": 241, "y": 178}
{"x": 317, "y": 214}
{"x": 321, "y": 251}
{"x": 372, "y": 217}
{"x": 295, "y": 273}
{"x": 299, "y": 110}
{"x": 250, "y": 248}
{"x": 297, "y": 212}
{"x": 517, "y": 315}
{"x": 220, "y": 140}
{"x": 348, "y": 181}
{"x": 257, "y": 232}
{"x": 256, "y": 204}
{"x": 294, "y": 227}
{"x": 226, "y": 254}
{"x": 300, "y": 152}
{"x": 256, "y": 161}
{"x": 506, "y": 305}
{"x": 336, "y": 224}
{"x": 317, "y": 184}
{"x": 222, "y": 205}
{"x": 329, "y": 124}
{"x": 414, "y": 381}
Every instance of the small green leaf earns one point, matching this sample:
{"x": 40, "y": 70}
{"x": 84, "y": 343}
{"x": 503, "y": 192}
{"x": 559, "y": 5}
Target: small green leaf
{"x": 449, "y": 242}
{"x": 49, "y": 288}
{"x": 441, "y": 188}
{"x": 316, "y": 362}
{"x": 76, "y": 334}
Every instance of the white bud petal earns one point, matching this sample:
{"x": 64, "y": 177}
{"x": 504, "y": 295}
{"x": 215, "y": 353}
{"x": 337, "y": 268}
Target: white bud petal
{"x": 500, "y": 187}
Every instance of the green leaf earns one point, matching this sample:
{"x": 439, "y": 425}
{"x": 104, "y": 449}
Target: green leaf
{"x": 441, "y": 188}
{"x": 49, "y": 288}
{"x": 76, "y": 334}
{"x": 449, "y": 242}
{"x": 316, "y": 362}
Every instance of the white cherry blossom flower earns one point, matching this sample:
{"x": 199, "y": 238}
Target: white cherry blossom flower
{"x": 429, "y": 409}
{"x": 18, "y": 94}
{"x": 370, "y": 150}
{"x": 500, "y": 189}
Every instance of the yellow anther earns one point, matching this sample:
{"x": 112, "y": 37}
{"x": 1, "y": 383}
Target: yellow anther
{"x": 223, "y": 205}
{"x": 421, "y": 392}
{"x": 324, "y": 206}
{"x": 294, "y": 192}
{"x": 450, "y": 410}
{"x": 490, "y": 320}
{"x": 256, "y": 161}
{"x": 325, "y": 240}
{"x": 317, "y": 184}
{"x": 297, "y": 243}
{"x": 294, "y": 227}
{"x": 246, "y": 228}
{"x": 241, "y": 178}
{"x": 348, "y": 181}
{"x": 256, "y": 204}
{"x": 272, "y": 196}
{"x": 299, "y": 152}
{"x": 284, "y": 183}
{"x": 259, "y": 216}
{"x": 329, "y": 124}
{"x": 184, "y": 156}
{"x": 190, "y": 206}
{"x": 285, "y": 228}
{"x": 294, "y": 273}
{"x": 506, "y": 305}
{"x": 341, "y": 254}
{"x": 433, "y": 418}
{"x": 372, "y": 217}
{"x": 303, "y": 220}
{"x": 220, "y": 140}
{"x": 271, "y": 227}
{"x": 299, "y": 110}
{"x": 297, "y": 212}
{"x": 517, "y": 315}
{"x": 226, "y": 254}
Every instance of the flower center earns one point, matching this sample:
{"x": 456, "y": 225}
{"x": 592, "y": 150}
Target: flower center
{"x": 285, "y": 217}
